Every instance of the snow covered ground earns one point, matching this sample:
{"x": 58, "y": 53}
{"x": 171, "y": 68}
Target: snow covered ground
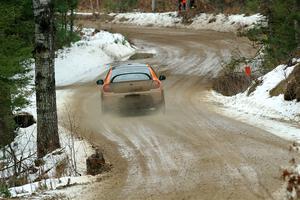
{"x": 88, "y": 58}
{"x": 203, "y": 21}
{"x": 82, "y": 62}
{"x": 271, "y": 113}
{"x": 74, "y": 150}
{"x": 167, "y": 19}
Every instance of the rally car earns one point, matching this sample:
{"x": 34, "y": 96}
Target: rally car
{"x": 131, "y": 87}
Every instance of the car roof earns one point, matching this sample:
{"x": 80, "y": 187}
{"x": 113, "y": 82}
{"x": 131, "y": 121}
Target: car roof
{"x": 130, "y": 65}
{"x": 130, "y": 68}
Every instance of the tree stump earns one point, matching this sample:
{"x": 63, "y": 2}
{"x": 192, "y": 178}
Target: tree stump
{"x": 95, "y": 164}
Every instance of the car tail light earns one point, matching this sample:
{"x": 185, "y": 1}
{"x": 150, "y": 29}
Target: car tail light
{"x": 106, "y": 88}
{"x": 155, "y": 84}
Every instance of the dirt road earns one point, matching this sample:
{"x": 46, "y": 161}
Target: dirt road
{"x": 191, "y": 152}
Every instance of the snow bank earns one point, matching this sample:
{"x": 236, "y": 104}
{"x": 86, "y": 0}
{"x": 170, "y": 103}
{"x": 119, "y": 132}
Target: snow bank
{"x": 88, "y": 58}
{"x": 262, "y": 109}
{"x": 167, "y": 19}
{"x": 49, "y": 184}
{"x": 203, "y": 21}
{"x": 74, "y": 150}
{"x": 24, "y": 146}
{"x": 225, "y": 23}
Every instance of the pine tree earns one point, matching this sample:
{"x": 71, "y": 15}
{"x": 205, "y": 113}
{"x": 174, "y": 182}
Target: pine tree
{"x": 16, "y": 37}
{"x": 282, "y": 32}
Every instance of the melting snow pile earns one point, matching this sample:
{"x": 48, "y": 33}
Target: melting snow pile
{"x": 261, "y": 109}
{"x": 65, "y": 166}
{"x": 167, "y": 19}
{"x": 72, "y": 156}
{"x": 87, "y": 58}
{"x": 261, "y": 103}
{"x": 202, "y": 21}
{"x": 225, "y": 23}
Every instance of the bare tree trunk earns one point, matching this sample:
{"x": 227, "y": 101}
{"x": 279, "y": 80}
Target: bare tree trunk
{"x": 153, "y": 5}
{"x": 65, "y": 23}
{"x": 92, "y": 6}
{"x": 296, "y": 27}
{"x": 47, "y": 128}
{"x": 72, "y": 22}
{"x": 98, "y": 6}
{"x": 296, "y": 23}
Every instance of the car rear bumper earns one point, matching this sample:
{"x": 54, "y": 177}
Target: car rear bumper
{"x": 137, "y": 100}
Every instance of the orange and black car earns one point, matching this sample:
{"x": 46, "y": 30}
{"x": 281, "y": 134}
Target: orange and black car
{"x": 131, "y": 87}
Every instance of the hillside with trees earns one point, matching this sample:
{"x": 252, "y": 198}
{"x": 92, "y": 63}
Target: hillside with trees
{"x": 281, "y": 37}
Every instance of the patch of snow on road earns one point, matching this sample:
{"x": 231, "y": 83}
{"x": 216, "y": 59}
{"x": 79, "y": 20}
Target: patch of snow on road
{"x": 88, "y": 58}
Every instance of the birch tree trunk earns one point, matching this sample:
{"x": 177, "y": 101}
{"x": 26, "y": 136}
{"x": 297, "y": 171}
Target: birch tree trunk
{"x": 47, "y": 128}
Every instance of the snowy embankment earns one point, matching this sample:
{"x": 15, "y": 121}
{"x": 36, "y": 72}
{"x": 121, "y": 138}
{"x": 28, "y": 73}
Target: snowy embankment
{"x": 261, "y": 109}
{"x": 203, "y": 21}
{"x": 82, "y": 62}
{"x": 87, "y": 58}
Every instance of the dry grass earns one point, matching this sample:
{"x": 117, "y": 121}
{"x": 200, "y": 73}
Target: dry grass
{"x": 123, "y": 19}
{"x": 61, "y": 168}
{"x": 95, "y": 17}
{"x": 233, "y": 9}
{"x": 279, "y": 89}
{"x": 254, "y": 86}
{"x": 229, "y": 7}
{"x": 290, "y": 86}
{"x": 230, "y": 84}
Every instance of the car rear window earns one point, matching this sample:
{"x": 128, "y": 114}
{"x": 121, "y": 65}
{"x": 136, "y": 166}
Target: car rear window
{"x": 130, "y": 73}
{"x": 130, "y": 77}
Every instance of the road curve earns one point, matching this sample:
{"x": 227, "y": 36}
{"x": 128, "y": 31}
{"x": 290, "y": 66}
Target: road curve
{"x": 191, "y": 152}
